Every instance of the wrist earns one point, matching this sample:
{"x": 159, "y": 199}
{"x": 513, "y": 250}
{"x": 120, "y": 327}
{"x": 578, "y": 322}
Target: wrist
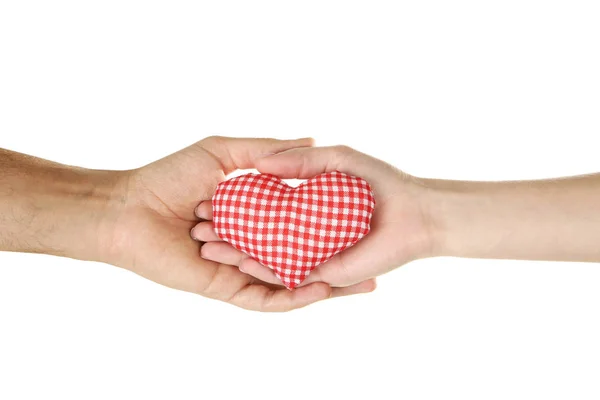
{"x": 418, "y": 203}
{"x": 471, "y": 219}
{"x": 60, "y": 210}
{"x": 446, "y": 205}
{"x": 104, "y": 198}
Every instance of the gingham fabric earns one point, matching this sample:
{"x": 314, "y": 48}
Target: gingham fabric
{"x": 292, "y": 230}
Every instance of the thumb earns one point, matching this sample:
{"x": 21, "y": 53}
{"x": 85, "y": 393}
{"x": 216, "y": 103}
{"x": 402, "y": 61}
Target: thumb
{"x": 305, "y": 163}
{"x": 242, "y": 153}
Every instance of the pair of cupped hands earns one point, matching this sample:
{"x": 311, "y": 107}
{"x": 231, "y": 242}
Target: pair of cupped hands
{"x": 166, "y": 234}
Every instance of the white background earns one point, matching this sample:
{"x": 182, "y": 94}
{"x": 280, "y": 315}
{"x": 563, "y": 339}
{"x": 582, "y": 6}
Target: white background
{"x": 461, "y": 89}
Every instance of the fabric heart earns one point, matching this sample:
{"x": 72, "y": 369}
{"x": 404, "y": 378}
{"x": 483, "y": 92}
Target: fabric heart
{"x": 292, "y": 230}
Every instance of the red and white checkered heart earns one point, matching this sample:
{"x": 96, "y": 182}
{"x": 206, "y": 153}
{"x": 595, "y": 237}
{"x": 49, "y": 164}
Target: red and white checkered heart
{"x": 292, "y": 230}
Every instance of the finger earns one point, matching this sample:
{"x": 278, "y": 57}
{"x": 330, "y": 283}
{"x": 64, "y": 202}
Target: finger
{"x": 252, "y": 267}
{"x": 261, "y": 298}
{"x": 338, "y": 272}
{"x": 304, "y": 163}
{"x": 204, "y": 210}
{"x": 222, "y": 252}
{"x": 205, "y": 232}
{"x": 237, "y": 153}
{"x": 259, "y": 271}
{"x": 348, "y": 272}
{"x": 361, "y": 261}
{"x": 362, "y": 287}
{"x": 228, "y": 284}
{"x": 330, "y": 272}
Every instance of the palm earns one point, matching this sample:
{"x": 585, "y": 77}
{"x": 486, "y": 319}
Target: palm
{"x": 154, "y": 234}
{"x": 157, "y": 226}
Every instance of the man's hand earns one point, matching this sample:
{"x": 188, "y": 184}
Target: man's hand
{"x": 141, "y": 219}
{"x": 151, "y": 236}
{"x": 400, "y": 229}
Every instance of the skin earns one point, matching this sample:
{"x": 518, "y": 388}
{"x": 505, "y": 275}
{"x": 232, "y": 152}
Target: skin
{"x": 414, "y": 218}
{"x": 140, "y": 219}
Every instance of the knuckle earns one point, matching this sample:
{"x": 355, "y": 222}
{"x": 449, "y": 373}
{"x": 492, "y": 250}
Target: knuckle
{"x": 272, "y": 305}
{"x": 343, "y": 149}
{"x": 343, "y": 155}
{"x": 346, "y": 149}
{"x": 343, "y": 152}
{"x": 212, "y": 141}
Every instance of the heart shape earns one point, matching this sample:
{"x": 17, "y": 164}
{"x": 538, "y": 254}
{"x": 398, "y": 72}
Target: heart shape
{"x": 292, "y": 230}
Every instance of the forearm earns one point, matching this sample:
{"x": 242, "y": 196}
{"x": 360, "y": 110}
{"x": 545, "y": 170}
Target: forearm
{"x": 51, "y": 208}
{"x": 555, "y": 219}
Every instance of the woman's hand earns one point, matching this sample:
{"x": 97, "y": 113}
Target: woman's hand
{"x": 401, "y": 230}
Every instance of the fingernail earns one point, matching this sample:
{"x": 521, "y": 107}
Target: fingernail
{"x": 193, "y": 234}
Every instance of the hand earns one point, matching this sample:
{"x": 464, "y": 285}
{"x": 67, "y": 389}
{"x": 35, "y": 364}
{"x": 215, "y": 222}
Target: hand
{"x": 151, "y": 236}
{"x": 400, "y": 228}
